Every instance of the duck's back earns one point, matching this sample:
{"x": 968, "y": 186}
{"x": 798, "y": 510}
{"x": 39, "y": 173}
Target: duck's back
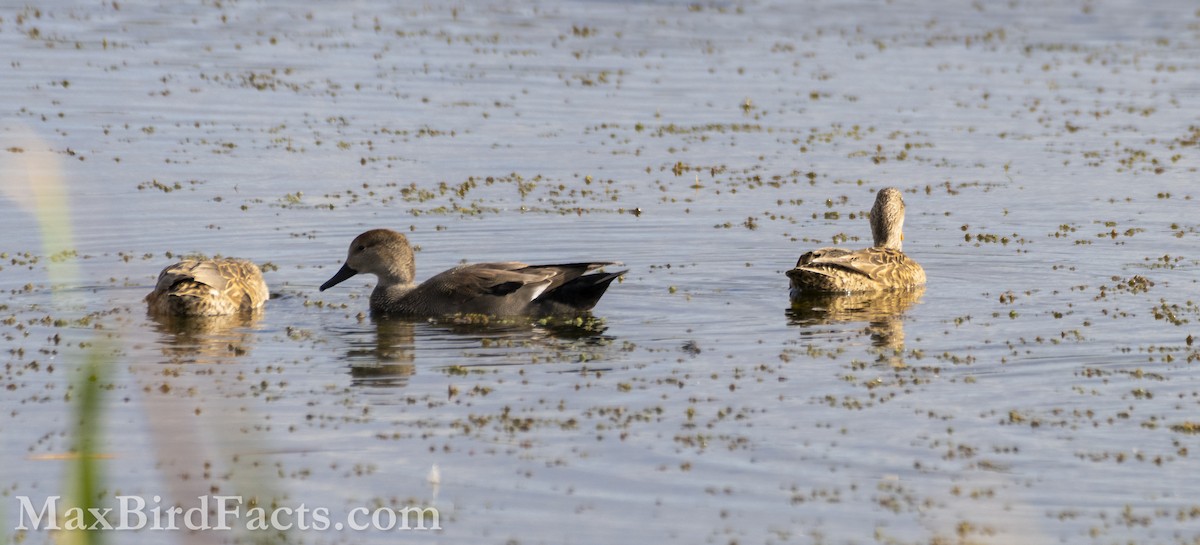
{"x": 498, "y": 289}
{"x": 841, "y": 270}
{"x": 209, "y": 288}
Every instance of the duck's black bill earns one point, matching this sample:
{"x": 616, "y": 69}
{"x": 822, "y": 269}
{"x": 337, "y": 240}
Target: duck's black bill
{"x": 342, "y": 274}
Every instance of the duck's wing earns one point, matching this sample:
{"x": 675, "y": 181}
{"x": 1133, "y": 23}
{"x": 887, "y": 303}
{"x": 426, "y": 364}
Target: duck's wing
{"x": 888, "y": 267}
{"x": 821, "y": 253}
{"x": 875, "y": 263}
{"x": 235, "y": 280}
{"x": 504, "y": 287}
{"x": 503, "y": 279}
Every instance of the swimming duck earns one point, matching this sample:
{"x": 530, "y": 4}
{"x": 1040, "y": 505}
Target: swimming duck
{"x": 882, "y": 267}
{"x": 489, "y": 289}
{"x": 210, "y": 287}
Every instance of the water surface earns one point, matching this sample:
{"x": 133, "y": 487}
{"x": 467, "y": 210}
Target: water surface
{"x": 1039, "y": 390}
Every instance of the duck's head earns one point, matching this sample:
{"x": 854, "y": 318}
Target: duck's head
{"x": 887, "y": 219}
{"x": 381, "y": 252}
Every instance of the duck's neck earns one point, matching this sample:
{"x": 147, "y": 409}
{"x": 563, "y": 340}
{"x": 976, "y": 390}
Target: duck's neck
{"x": 888, "y": 234}
{"x": 891, "y": 243}
{"x": 386, "y": 291}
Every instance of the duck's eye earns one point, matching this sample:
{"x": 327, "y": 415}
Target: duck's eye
{"x": 360, "y": 247}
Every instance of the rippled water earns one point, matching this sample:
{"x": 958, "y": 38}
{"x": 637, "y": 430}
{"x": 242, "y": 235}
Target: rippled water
{"x": 1041, "y": 389}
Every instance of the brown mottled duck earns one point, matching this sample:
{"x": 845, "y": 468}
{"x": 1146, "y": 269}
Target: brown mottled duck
{"x": 881, "y": 267}
{"x": 211, "y": 287}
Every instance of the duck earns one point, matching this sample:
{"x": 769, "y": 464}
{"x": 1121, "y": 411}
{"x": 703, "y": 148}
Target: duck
{"x": 879, "y": 268}
{"x": 208, "y": 287}
{"x": 503, "y": 289}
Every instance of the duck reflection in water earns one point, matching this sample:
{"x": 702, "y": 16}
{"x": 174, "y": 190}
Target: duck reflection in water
{"x": 383, "y": 350}
{"x": 186, "y": 409}
{"x": 206, "y": 308}
{"x": 384, "y": 358}
{"x": 205, "y": 339}
{"x": 883, "y": 313}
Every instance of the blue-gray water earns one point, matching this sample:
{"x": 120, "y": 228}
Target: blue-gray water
{"x": 1040, "y": 390}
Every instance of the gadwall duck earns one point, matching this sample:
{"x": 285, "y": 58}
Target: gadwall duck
{"x": 883, "y": 267}
{"x": 211, "y": 287}
{"x": 486, "y": 289}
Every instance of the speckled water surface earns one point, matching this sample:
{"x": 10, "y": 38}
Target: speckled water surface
{"x": 1042, "y": 388}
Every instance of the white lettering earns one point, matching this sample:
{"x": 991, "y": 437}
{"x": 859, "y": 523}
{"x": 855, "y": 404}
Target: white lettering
{"x": 131, "y": 513}
{"x": 302, "y": 517}
{"x": 420, "y": 518}
{"x": 49, "y": 513}
{"x": 275, "y": 523}
{"x": 257, "y": 519}
{"x": 74, "y": 518}
{"x": 320, "y": 517}
{"x": 101, "y": 516}
{"x": 173, "y": 512}
{"x": 202, "y": 511}
{"x": 224, "y": 510}
{"x": 377, "y": 519}
{"x": 352, "y": 520}
{"x": 131, "y": 507}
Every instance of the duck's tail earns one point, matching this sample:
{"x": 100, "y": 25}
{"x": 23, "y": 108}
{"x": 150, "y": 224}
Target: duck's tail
{"x": 579, "y": 294}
